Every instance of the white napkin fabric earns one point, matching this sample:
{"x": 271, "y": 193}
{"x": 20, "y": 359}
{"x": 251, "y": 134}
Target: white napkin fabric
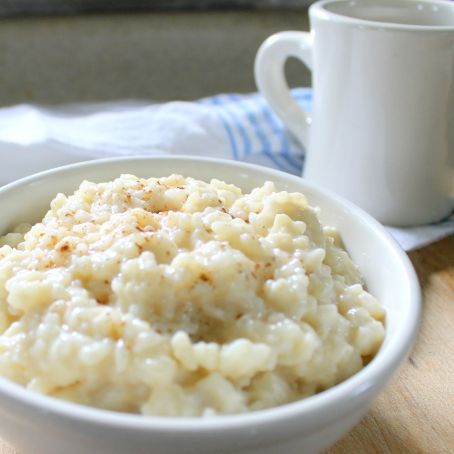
{"x": 240, "y": 127}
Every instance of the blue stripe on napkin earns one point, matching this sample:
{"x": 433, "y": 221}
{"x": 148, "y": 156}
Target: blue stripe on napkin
{"x": 248, "y": 110}
{"x": 277, "y": 129}
{"x": 225, "y": 109}
{"x": 222, "y": 115}
{"x": 253, "y": 129}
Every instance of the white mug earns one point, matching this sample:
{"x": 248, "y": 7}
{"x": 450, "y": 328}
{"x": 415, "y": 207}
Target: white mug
{"x": 381, "y": 132}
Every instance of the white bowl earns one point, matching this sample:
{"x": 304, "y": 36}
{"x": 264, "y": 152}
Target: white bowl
{"x": 41, "y": 424}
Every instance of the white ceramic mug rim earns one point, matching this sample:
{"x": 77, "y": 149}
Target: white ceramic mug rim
{"x": 320, "y": 11}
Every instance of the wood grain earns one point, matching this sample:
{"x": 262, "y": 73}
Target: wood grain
{"x": 415, "y": 414}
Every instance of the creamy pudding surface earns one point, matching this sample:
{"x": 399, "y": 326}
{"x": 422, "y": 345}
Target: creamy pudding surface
{"x": 177, "y": 297}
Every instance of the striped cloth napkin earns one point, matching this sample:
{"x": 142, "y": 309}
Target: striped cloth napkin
{"x": 240, "y": 127}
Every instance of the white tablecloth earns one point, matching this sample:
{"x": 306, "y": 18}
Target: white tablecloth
{"x": 241, "y": 127}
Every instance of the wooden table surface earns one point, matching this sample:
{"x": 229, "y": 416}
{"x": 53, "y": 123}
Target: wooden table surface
{"x": 415, "y": 413}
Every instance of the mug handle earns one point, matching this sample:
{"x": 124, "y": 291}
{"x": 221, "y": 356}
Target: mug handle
{"x": 271, "y": 82}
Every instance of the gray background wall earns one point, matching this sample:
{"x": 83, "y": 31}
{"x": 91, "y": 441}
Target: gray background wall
{"x": 154, "y": 55}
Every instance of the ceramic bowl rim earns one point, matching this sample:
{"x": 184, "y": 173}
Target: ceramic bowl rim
{"x": 345, "y": 393}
